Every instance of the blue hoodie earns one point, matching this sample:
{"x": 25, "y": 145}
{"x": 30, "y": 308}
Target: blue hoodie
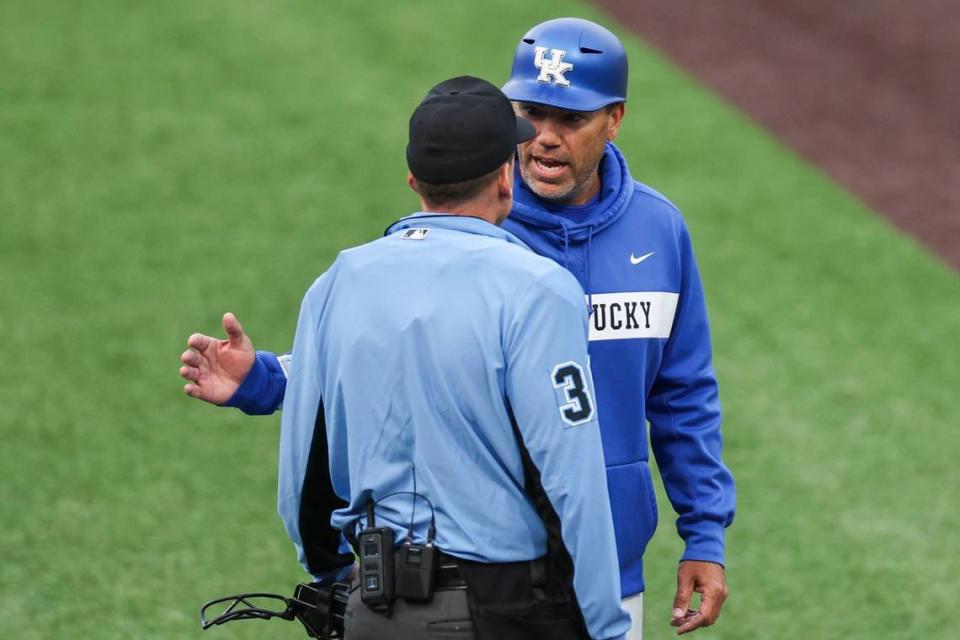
{"x": 650, "y": 356}
{"x": 649, "y": 352}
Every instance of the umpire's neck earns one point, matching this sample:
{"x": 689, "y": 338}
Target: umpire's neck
{"x": 489, "y": 197}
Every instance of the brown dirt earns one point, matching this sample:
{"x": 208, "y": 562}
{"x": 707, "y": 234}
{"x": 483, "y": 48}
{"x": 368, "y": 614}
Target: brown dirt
{"x": 869, "y": 90}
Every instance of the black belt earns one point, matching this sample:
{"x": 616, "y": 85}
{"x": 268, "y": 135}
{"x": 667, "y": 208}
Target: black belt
{"x": 450, "y": 576}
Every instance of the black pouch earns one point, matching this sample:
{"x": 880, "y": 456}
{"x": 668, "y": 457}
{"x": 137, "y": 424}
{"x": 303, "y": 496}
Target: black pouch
{"x": 516, "y": 601}
{"x": 326, "y": 605}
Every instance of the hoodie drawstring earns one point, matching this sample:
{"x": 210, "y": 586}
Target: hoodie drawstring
{"x": 566, "y": 261}
{"x": 566, "y": 246}
{"x": 589, "y": 281}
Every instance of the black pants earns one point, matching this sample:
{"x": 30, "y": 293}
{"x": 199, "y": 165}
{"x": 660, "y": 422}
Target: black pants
{"x": 504, "y": 601}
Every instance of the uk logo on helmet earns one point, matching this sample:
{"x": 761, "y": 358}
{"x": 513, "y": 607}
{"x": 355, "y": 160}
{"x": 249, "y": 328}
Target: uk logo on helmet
{"x": 552, "y": 70}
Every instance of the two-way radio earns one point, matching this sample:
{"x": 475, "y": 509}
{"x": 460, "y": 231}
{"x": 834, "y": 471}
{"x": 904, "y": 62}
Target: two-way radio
{"x": 376, "y": 563}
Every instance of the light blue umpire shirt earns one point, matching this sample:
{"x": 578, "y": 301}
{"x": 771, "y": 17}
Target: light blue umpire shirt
{"x": 438, "y": 351}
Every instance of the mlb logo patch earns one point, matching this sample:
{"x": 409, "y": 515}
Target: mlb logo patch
{"x": 415, "y": 234}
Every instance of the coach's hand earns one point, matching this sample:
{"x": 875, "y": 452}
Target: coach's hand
{"x": 707, "y": 579}
{"x": 215, "y": 368}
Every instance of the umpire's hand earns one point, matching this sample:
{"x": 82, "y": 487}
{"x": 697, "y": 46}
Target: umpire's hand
{"x": 707, "y": 579}
{"x": 215, "y": 368}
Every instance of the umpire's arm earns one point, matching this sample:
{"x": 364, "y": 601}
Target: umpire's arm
{"x": 306, "y": 495}
{"x": 550, "y": 390}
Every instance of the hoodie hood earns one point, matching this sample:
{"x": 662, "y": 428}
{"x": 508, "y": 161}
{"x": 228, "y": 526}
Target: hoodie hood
{"x": 615, "y": 193}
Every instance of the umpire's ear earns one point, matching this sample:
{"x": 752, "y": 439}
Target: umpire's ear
{"x": 412, "y": 182}
{"x": 505, "y": 179}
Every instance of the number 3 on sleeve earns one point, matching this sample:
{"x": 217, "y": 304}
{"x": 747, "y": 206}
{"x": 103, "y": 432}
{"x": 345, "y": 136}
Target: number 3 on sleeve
{"x": 576, "y": 405}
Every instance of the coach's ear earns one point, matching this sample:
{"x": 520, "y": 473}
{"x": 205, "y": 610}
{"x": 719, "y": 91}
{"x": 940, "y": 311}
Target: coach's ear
{"x": 615, "y": 114}
{"x": 412, "y": 182}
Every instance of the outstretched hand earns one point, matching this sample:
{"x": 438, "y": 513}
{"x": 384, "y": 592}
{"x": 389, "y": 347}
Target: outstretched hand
{"x": 707, "y": 579}
{"x": 215, "y": 368}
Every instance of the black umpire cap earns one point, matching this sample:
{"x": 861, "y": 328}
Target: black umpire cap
{"x": 464, "y": 128}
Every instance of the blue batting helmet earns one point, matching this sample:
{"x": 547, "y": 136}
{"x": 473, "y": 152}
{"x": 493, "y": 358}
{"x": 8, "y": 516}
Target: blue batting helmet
{"x": 569, "y": 63}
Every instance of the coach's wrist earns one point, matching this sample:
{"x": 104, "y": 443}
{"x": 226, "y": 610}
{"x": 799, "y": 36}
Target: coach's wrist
{"x": 253, "y": 387}
{"x": 706, "y": 544}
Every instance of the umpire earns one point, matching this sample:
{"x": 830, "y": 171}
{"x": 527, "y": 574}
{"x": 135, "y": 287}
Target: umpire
{"x": 439, "y": 412}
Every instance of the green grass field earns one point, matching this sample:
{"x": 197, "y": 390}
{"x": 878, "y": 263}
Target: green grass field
{"x": 161, "y": 163}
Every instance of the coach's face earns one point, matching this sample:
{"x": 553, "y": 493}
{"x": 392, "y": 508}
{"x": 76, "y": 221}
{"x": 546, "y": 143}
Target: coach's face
{"x": 560, "y": 163}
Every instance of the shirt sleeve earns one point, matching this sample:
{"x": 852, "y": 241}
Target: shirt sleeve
{"x": 550, "y": 391}
{"x": 261, "y": 392}
{"x": 305, "y": 495}
{"x": 683, "y": 407}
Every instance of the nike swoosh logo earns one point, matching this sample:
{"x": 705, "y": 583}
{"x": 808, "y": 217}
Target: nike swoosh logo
{"x": 636, "y": 260}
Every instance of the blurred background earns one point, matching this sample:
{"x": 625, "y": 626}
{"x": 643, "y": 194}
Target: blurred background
{"x": 164, "y": 162}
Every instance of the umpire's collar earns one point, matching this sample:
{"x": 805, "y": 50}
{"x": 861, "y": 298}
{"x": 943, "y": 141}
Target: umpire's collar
{"x": 466, "y": 224}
